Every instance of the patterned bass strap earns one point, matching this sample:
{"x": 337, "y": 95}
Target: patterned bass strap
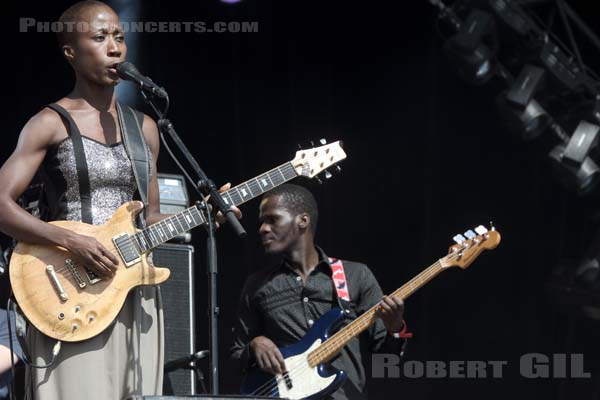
{"x": 339, "y": 279}
{"x": 341, "y": 287}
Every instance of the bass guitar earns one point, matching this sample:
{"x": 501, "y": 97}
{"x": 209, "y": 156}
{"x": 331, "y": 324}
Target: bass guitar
{"x": 308, "y": 376}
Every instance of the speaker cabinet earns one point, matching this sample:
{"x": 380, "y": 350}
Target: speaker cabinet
{"x": 178, "y": 305}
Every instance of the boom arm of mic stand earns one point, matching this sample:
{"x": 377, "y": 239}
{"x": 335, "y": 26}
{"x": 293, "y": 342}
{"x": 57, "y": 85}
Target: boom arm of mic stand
{"x": 206, "y": 185}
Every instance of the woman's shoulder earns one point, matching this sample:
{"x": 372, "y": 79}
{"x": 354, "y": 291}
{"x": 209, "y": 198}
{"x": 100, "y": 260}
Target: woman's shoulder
{"x": 45, "y": 126}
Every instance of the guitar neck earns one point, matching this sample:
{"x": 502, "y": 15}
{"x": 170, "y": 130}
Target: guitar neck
{"x": 332, "y": 346}
{"x": 168, "y": 228}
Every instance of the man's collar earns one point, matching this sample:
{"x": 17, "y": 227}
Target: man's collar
{"x": 323, "y": 261}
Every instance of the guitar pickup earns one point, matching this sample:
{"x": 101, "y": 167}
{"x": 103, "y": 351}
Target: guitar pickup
{"x": 126, "y": 248}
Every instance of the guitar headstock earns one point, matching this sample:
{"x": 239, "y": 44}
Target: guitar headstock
{"x": 470, "y": 246}
{"x": 313, "y": 161}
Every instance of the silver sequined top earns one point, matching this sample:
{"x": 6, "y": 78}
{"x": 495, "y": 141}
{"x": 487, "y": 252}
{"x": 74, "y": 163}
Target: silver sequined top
{"x": 112, "y": 182}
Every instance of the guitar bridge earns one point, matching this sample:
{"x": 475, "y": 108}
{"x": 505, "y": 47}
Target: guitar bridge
{"x": 73, "y": 270}
{"x": 127, "y": 250}
{"x": 288, "y": 380}
{"x": 91, "y": 276}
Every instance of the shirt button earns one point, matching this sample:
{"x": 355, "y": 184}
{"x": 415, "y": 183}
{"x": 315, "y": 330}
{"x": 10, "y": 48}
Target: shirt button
{"x": 310, "y": 322}
{"x": 298, "y": 278}
{"x": 305, "y": 299}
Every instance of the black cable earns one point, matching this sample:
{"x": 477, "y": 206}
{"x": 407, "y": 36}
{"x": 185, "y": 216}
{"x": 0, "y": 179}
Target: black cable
{"x": 25, "y": 358}
{"x": 161, "y": 115}
{"x": 166, "y": 145}
{"x": 11, "y": 386}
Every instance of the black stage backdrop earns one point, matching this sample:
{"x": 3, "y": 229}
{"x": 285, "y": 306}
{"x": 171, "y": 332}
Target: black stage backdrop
{"x": 428, "y": 158}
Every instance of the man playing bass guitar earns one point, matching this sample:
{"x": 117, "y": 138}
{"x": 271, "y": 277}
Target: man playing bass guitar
{"x": 279, "y": 305}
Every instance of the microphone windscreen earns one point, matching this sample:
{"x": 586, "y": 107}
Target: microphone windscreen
{"x": 126, "y": 70}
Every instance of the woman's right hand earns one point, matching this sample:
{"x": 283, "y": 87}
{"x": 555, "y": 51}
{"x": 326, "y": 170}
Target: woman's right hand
{"x": 93, "y": 254}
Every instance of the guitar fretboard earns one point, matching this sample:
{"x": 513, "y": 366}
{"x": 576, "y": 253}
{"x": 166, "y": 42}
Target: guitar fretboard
{"x": 168, "y": 228}
{"x": 332, "y": 346}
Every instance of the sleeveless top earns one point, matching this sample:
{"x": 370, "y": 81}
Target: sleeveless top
{"x": 111, "y": 177}
{"x": 127, "y": 358}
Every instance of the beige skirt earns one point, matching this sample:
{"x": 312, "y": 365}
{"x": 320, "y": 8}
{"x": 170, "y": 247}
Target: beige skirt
{"x": 124, "y": 360}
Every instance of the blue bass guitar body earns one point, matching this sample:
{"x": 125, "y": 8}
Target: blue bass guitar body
{"x": 301, "y": 381}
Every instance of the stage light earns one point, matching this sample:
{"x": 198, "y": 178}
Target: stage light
{"x": 472, "y": 51}
{"x": 587, "y": 272}
{"x": 514, "y": 16}
{"x": 576, "y": 283}
{"x": 526, "y": 85}
{"x": 526, "y": 123}
{"x": 572, "y": 164}
{"x": 523, "y": 114}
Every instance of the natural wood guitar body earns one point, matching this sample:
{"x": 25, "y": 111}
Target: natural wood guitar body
{"x": 88, "y": 310}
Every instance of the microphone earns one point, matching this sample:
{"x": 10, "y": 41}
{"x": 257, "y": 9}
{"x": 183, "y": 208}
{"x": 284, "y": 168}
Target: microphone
{"x": 127, "y": 71}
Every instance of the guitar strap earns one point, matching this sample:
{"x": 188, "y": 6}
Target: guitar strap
{"x": 340, "y": 284}
{"x": 339, "y": 279}
{"x": 130, "y": 121}
{"x": 135, "y": 146}
{"x": 80, "y": 163}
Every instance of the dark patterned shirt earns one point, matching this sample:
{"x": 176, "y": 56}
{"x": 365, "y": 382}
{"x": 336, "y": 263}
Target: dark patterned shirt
{"x": 275, "y": 303}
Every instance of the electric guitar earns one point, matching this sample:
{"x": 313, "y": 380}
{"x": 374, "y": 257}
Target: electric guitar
{"x": 307, "y": 374}
{"x": 66, "y": 301}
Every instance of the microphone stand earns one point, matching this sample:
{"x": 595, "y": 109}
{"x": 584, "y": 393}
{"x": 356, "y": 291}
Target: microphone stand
{"x": 206, "y": 187}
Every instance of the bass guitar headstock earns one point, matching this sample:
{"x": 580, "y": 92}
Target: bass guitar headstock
{"x": 469, "y": 246}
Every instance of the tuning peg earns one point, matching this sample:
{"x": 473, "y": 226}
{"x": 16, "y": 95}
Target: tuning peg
{"x": 323, "y": 141}
{"x": 470, "y": 234}
{"x": 312, "y": 144}
{"x": 319, "y": 181}
{"x": 338, "y": 169}
{"x": 492, "y": 227}
{"x": 459, "y": 239}
{"x": 328, "y": 174}
{"x": 481, "y": 230}
{"x": 299, "y": 147}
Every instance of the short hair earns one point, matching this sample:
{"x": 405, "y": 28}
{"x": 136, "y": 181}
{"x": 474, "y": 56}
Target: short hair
{"x": 297, "y": 200}
{"x": 72, "y": 15}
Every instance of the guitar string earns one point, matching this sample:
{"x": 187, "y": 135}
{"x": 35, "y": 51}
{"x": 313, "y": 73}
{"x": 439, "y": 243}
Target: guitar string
{"x": 286, "y": 170}
{"x": 270, "y": 385}
{"x": 365, "y": 320}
